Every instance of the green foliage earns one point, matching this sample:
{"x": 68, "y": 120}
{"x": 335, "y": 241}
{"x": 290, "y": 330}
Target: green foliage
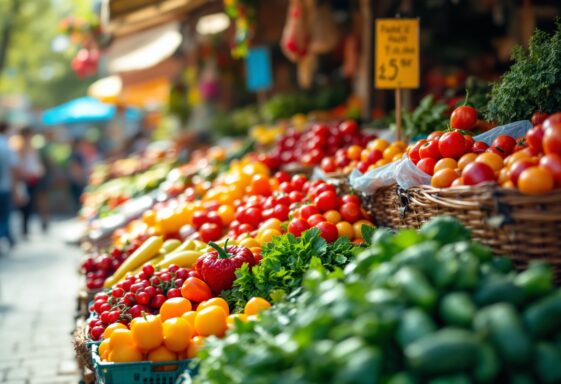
{"x": 533, "y": 82}
{"x": 285, "y": 262}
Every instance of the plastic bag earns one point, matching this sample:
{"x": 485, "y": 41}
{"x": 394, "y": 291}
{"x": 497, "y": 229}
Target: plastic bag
{"x": 374, "y": 179}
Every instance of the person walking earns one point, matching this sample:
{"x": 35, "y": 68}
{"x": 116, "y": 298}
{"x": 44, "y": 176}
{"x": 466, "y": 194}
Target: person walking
{"x": 77, "y": 172}
{"x": 8, "y": 182}
{"x": 32, "y": 171}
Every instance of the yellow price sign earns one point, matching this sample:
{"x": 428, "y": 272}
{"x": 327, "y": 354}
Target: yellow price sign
{"x": 397, "y": 53}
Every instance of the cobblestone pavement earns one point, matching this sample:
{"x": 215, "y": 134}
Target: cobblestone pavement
{"x": 38, "y": 285}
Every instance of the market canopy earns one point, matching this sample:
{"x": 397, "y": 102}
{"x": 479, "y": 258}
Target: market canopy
{"x": 84, "y": 110}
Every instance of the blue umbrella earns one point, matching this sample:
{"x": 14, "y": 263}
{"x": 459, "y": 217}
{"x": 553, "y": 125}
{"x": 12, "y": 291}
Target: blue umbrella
{"x": 85, "y": 110}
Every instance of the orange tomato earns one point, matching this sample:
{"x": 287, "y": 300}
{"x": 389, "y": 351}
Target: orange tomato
{"x": 457, "y": 182}
{"x": 379, "y": 144}
{"x": 332, "y": 216}
{"x": 217, "y": 301}
{"x": 110, "y": 328}
{"x": 147, "y": 332}
{"x": 267, "y": 235}
{"x": 357, "y": 227}
{"x": 520, "y": 155}
{"x": 274, "y": 183}
{"x": 231, "y": 320}
{"x": 174, "y": 307}
{"x": 256, "y": 305}
{"x": 444, "y": 178}
{"x": 249, "y": 242}
{"x": 177, "y": 334}
{"x": 194, "y": 346}
{"x": 398, "y": 156}
{"x": 125, "y": 354}
{"x": 345, "y": 229}
{"x": 402, "y": 145}
{"x": 535, "y": 181}
{"x": 364, "y": 155}
{"x": 211, "y": 321}
{"x": 260, "y": 185}
{"x": 272, "y": 223}
{"x": 190, "y": 317}
{"x": 353, "y": 152}
{"x": 195, "y": 290}
{"x": 503, "y": 176}
{"x": 161, "y": 354}
{"x": 445, "y": 163}
{"x": 466, "y": 159}
{"x": 226, "y": 213}
{"x": 103, "y": 349}
{"x": 121, "y": 338}
{"x": 382, "y": 162}
{"x": 390, "y": 152}
{"x": 508, "y": 184}
{"x": 491, "y": 159}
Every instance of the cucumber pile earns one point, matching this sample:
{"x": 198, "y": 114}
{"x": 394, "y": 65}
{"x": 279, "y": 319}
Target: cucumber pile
{"x": 415, "y": 307}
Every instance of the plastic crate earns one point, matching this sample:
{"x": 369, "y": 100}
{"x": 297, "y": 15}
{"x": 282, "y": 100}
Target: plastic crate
{"x": 144, "y": 372}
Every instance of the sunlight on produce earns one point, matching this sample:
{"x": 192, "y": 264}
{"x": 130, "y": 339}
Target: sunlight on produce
{"x": 291, "y": 191}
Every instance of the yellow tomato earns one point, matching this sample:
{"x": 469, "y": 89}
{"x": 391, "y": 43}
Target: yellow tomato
{"x": 444, "y": 163}
{"x": 194, "y": 346}
{"x": 272, "y": 223}
{"x": 121, "y": 338}
{"x": 161, "y": 354}
{"x": 211, "y": 321}
{"x": 345, "y": 229}
{"x": 147, "y": 332}
{"x": 112, "y": 327}
{"x": 226, "y": 213}
{"x": 231, "y": 320}
{"x": 379, "y": 144}
{"x": 332, "y": 216}
{"x": 357, "y": 227}
{"x": 400, "y": 144}
{"x": 177, "y": 334}
{"x": 390, "y": 152}
{"x": 267, "y": 235}
{"x": 190, "y": 317}
{"x": 256, "y": 305}
{"x": 125, "y": 354}
{"x": 353, "y": 152}
{"x": 491, "y": 159}
{"x": 215, "y": 301}
{"x": 248, "y": 242}
{"x": 466, "y": 159}
{"x": 520, "y": 155}
{"x": 104, "y": 349}
{"x": 174, "y": 307}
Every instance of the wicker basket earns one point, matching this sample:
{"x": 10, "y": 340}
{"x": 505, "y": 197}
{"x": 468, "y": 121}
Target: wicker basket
{"x": 341, "y": 181}
{"x": 81, "y": 347}
{"x": 520, "y": 226}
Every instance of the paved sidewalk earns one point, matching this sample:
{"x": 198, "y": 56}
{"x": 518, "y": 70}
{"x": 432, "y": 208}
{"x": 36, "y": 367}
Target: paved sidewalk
{"x": 38, "y": 286}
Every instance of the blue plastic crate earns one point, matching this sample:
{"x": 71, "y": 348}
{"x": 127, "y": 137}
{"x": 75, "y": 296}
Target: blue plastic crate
{"x": 144, "y": 372}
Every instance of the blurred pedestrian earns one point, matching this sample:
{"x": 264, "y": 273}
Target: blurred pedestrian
{"x": 31, "y": 171}
{"x": 8, "y": 182}
{"x": 77, "y": 172}
{"x": 46, "y": 182}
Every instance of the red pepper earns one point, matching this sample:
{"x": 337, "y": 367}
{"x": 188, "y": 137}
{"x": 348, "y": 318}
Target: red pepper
{"x": 218, "y": 268}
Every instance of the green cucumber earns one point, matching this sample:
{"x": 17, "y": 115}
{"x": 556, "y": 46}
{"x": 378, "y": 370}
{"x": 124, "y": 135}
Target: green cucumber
{"x": 499, "y": 290}
{"x": 457, "y": 309}
{"x": 402, "y": 378}
{"x": 547, "y": 361}
{"x": 414, "y": 325}
{"x": 446, "y": 351}
{"x": 505, "y": 330}
{"x": 416, "y": 288}
{"x": 488, "y": 365}
{"x": 453, "y": 379}
{"x": 468, "y": 278}
{"x": 542, "y": 317}
{"x": 536, "y": 281}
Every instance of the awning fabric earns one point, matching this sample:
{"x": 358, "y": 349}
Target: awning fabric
{"x": 84, "y": 110}
{"x": 144, "y": 49}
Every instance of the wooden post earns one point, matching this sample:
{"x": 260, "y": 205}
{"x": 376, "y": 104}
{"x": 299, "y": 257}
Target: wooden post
{"x": 398, "y": 113}
{"x": 366, "y": 7}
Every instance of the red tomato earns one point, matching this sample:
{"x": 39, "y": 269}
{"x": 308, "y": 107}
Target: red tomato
{"x": 308, "y": 210}
{"x": 469, "y": 143}
{"x": 463, "y": 117}
{"x": 452, "y": 144}
{"x": 362, "y": 167}
{"x": 427, "y": 165}
{"x": 298, "y": 181}
{"x": 351, "y": 212}
{"x": 435, "y": 135}
{"x": 552, "y": 162}
{"x": 479, "y": 147}
{"x": 374, "y": 156}
{"x": 327, "y": 201}
{"x": 430, "y": 149}
{"x": 351, "y": 199}
{"x": 199, "y": 218}
{"x": 476, "y": 173}
{"x": 505, "y": 143}
{"x": 210, "y": 232}
{"x": 517, "y": 168}
{"x": 316, "y": 219}
{"x": 251, "y": 216}
{"x": 534, "y": 138}
{"x": 328, "y": 165}
{"x": 414, "y": 155}
{"x": 538, "y": 118}
{"x": 328, "y": 231}
{"x": 297, "y": 226}
{"x": 552, "y": 120}
{"x": 520, "y": 145}
{"x": 348, "y": 127}
{"x": 552, "y": 137}
{"x": 498, "y": 150}
{"x": 282, "y": 176}
{"x": 212, "y": 217}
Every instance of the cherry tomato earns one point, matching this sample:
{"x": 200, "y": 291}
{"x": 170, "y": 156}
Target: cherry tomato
{"x": 348, "y": 127}
{"x": 534, "y": 138}
{"x": 517, "y": 168}
{"x": 504, "y": 142}
{"x": 444, "y": 178}
{"x": 315, "y": 219}
{"x": 435, "y": 135}
{"x": 142, "y": 298}
{"x": 282, "y": 176}
{"x": 327, "y": 201}
{"x": 308, "y": 210}
{"x": 427, "y": 165}
{"x": 328, "y": 165}
{"x": 328, "y": 231}
{"x": 351, "y": 212}
{"x": 479, "y": 147}
{"x": 491, "y": 159}
{"x": 213, "y": 217}
{"x": 210, "y": 232}
{"x": 476, "y": 173}
{"x": 251, "y": 216}
{"x": 535, "y": 181}
{"x": 117, "y": 292}
{"x": 464, "y": 117}
{"x": 297, "y": 226}
{"x": 446, "y": 162}
{"x": 452, "y": 144}
{"x": 497, "y": 151}
{"x": 539, "y": 118}
{"x": 552, "y": 137}
{"x": 196, "y": 290}
{"x": 430, "y": 149}
{"x": 469, "y": 143}
{"x": 413, "y": 154}
{"x": 553, "y": 163}
{"x": 199, "y": 218}
{"x": 351, "y": 199}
